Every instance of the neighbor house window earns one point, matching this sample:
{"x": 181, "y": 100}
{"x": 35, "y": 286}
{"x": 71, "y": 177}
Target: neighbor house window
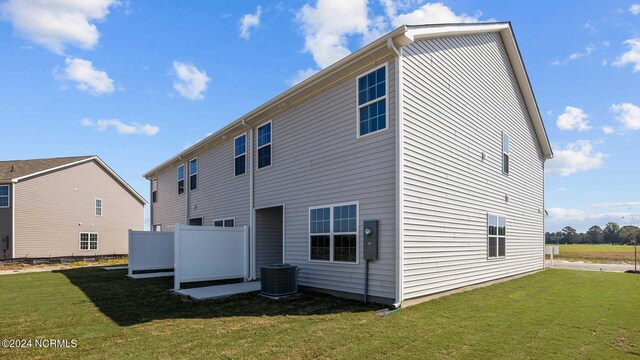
{"x": 505, "y": 152}
{"x": 154, "y": 190}
{"x": 497, "y": 230}
{"x": 88, "y": 241}
{"x": 181, "y": 179}
{"x": 157, "y": 227}
{"x": 195, "y": 221}
{"x": 333, "y": 233}
{"x": 240, "y": 154}
{"x": 264, "y": 145}
{"x": 4, "y": 196}
{"x": 98, "y": 207}
{"x": 231, "y": 222}
{"x": 193, "y": 174}
{"x": 372, "y": 101}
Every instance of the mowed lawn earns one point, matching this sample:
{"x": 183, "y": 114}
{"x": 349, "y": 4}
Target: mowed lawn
{"x": 596, "y": 252}
{"x": 550, "y": 314}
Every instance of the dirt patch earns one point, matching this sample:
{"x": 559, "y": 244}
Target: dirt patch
{"x": 27, "y": 268}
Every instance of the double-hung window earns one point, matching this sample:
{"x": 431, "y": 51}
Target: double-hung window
{"x": 333, "y": 233}
{"x": 98, "y": 207}
{"x": 181, "y": 179}
{"x": 154, "y": 190}
{"x": 88, "y": 241}
{"x": 505, "y": 152}
{"x": 193, "y": 174}
{"x": 4, "y": 196}
{"x": 240, "y": 154}
{"x": 231, "y": 222}
{"x": 497, "y": 231}
{"x": 372, "y": 101}
{"x": 264, "y": 145}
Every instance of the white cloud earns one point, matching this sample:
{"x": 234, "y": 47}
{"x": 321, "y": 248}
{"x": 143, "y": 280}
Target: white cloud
{"x": 635, "y": 9}
{"x": 631, "y": 57}
{"x": 573, "y": 118}
{"x": 430, "y": 13}
{"x": 87, "y": 78}
{"x": 628, "y": 114}
{"x": 584, "y": 217}
{"x": 575, "y": 56}
{"x": 608, "y": 130}
{"x": 55, "y": 24}
{"x": 575, "y": 157}
{"x": 120, "y": 127}
{"x": 249, "y": 21}
{"x": 301, "y": 75}
{"x": 562, "y": 189}
{"x": 191, "y": 82}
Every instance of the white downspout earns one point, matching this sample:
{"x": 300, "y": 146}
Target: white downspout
{"x": 13, "y": 219}
{"x": 252, "y": 214}
{"x": 186, "y": 192}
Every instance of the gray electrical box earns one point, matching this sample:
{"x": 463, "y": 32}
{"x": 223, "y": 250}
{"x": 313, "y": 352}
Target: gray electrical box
{"x": 371, "y": 239}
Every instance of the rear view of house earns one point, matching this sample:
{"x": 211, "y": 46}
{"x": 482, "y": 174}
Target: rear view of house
{"x": 65, "y": 206}
{"x": 426, "y": 144}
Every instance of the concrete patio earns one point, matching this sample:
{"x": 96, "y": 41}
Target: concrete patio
{"x": 219, "y": 291}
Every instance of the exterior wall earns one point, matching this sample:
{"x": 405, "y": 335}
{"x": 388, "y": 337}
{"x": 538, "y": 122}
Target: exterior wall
{"x": 51, "y": 210}
{"x": 268, "y": 237}
{"x": 170, "y": 207}
{"x": 5, "y": 227}
{"x": 317, "y": 160}
{"x": 459, "y": 95}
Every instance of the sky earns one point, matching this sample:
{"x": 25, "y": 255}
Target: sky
{"x": 136, "y": 82}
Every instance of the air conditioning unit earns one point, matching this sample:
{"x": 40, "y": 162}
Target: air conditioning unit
{"x": 279, "y": 280}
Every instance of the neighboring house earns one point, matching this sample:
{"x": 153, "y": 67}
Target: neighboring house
{"x": 432, "y": 130}
{"x": 65, "y": 206}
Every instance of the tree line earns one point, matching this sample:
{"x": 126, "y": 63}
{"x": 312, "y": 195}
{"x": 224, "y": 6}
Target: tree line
{"x": 611, "y": 234}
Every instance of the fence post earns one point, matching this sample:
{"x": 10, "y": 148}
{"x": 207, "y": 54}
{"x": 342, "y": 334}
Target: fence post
{"x": 129, "y": 268}
{"x": 176, "y": 257}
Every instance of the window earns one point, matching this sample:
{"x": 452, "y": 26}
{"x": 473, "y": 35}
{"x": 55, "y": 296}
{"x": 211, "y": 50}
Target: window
{"x": 157, "y": 227}
{"x": 239, "y": 152}
{"x": 372, "y": 101}
{"x": 181, "y": 179}
{"x": 195, "y": 221}
{"x": 98, "y": 207}
{"x": 88, "y": 241}
{"x": 264, "y": 145}
{"x": 4, "y": 196}
{"x": 505, "y": 152}
{"x": 154, "y": 190}
{"x": 497, "y": 231}
{"x": 193, "y": 174}
{"x": 333, "y": 233}
{"x": 231, "y": 222}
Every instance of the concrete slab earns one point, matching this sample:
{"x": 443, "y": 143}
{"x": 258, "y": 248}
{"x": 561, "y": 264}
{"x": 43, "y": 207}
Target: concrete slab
{"x": 578, "y": 265}
{"x": 219, "y": 291}
{"x": 151, "y": 275}
{"x": 124, "y": 267}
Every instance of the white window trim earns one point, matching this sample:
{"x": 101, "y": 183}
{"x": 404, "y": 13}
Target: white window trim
{"x": 8, "y": 196}
{"x": 246, "y": 145}
{"x": 154, "y": 226}
{"x": 497, "y": 257}
{"x": 260, "y": 147}
{"x": 184, "y": 174}
{"x": 508, "y": 153}
{"x": 385, "y": 97}
{"x": 223, "y": 220}
{"x": 88, "y": 241}
{"x": 95, "y": 203}
{"x": 331, "y": 234}
{"x": 196, "y": 174}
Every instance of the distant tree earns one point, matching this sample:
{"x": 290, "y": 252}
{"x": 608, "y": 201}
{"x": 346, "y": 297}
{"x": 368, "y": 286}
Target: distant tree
{"x": 569, "y": 235}
{"x": 594, "y": 235}
{"x": 628, "y": 234}
{"x": 610, "y": 233}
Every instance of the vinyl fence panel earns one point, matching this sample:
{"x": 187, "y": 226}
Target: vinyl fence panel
{"x": 150, "y": 250}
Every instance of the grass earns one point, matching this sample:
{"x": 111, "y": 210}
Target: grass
{"x": 551, "y": 314}
{"x": 601, "y": 253}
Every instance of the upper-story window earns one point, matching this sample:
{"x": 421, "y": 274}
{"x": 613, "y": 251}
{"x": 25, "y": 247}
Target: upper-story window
{"x": 497, "y": 231}
{"x": 4, "y": 196}
{"x": 154, "y": 190}
{"x": 193, "y": 174}
{"x": 372, "y": 101}
{"x": 98, "y": 207}
{"x": 180, "y": 179}
{"x": 505, "y": 152}
{"x": 240, "y": 154}
{"x": 264, "y": 145}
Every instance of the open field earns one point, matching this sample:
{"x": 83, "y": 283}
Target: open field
{"x": 602, "y": 253}
{"x": 551, "y": 314}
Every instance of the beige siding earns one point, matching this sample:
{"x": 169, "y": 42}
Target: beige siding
{"x": 318, "y": 160}
{"x": 459, "y": 95}
{"x": 169, "y": 209}
{"x": 52, "y": 209}
{"x": 5, "y": 228}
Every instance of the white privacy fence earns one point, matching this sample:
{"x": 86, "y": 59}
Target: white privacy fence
{"x": 204, "y": 253}
{"x": 150, "y": 250}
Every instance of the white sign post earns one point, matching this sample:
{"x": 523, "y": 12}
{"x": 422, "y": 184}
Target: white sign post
{"x": 552, "y": 250}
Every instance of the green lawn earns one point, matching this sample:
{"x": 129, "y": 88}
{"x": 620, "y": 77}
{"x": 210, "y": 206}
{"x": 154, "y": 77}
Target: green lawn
{"x": 602, "y": 253}
{"x": 551, "y": 314}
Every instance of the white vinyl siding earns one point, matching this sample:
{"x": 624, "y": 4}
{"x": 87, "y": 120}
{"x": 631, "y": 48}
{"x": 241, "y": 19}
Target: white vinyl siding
{"x": 5, "y": 202}
{"x": 460, "y": 94}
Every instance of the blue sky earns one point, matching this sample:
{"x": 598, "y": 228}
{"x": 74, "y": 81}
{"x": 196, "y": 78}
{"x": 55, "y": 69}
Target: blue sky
{"x": 135, "y": 82}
